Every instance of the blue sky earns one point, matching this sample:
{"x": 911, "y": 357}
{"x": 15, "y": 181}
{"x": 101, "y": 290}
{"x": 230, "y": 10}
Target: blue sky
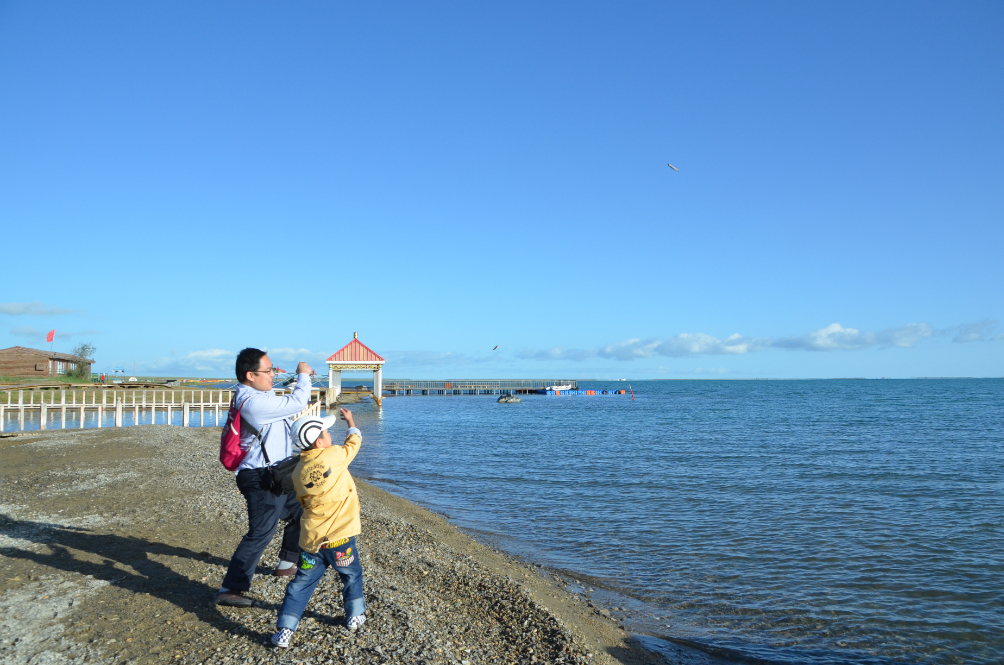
{"x": 178, "y": 182}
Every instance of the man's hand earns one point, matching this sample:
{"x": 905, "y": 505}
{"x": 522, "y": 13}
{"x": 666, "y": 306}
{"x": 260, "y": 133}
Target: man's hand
{"x": 347, "y": 415}
{"x": 303, "y": 368}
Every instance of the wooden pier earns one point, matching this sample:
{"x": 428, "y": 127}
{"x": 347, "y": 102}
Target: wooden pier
{"x": 192, "y": 404}
{"x": 473, "y": 386}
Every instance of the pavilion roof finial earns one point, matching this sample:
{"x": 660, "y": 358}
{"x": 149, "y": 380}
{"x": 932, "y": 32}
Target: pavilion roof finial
{"x": 355, "y": 335}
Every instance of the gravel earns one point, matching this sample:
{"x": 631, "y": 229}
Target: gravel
{"x": 113, "y": 543}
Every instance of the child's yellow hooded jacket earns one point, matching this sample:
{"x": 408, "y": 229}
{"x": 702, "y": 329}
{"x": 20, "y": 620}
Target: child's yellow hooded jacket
{"x": 328, "y": 494}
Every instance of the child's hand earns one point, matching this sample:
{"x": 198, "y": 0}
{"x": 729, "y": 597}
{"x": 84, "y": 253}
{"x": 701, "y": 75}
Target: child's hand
{"x": 347, "y": 415}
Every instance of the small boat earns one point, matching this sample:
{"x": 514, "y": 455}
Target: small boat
{"x": 509, "y": 399}
{"x": 568, "y": 387}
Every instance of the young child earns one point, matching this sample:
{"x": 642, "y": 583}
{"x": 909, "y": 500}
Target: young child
{"x": 329, "y": 525}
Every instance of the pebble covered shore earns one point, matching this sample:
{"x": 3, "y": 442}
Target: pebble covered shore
{"x": 113, "y": 542}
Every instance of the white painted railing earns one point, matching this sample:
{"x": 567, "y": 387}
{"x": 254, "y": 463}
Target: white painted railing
{"x": 140, "y": 402}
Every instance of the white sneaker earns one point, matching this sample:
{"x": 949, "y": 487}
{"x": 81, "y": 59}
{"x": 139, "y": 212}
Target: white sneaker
{"x": 281, "y": 639}
{"x": 356, "y": 622}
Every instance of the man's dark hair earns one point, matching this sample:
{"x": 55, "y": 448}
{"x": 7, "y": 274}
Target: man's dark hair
{"x": 248, "y": 360}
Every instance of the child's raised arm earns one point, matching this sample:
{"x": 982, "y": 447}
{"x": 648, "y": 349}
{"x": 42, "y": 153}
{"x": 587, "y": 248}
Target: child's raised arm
{"x": 353, "y": 439}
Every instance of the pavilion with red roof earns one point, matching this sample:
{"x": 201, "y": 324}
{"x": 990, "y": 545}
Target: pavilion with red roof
{"x": 354, "y": 356}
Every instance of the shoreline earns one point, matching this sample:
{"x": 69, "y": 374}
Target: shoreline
{"x": 113, "y": 542}
{"x": 548, "y": 587}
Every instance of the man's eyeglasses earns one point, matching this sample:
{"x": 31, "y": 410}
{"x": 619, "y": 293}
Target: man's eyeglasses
{"x": 271, "y": 370}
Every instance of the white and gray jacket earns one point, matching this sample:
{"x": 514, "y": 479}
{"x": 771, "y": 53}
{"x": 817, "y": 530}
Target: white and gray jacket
{"x": 271, "y": 415}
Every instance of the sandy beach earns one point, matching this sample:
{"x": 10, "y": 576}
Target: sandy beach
{"x": 113, "y": 543}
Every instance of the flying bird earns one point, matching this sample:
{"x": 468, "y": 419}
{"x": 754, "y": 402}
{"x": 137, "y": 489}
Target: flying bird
{"x": 673, "y": 167}
{"x": 496, "y": 347}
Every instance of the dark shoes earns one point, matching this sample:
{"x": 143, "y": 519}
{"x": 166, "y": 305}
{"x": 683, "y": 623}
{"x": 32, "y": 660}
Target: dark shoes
{"x": 233, "y": 599}
{"x": 238, "y": 599}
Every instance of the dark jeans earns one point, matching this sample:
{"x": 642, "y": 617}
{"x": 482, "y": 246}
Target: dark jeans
{"x": 345, "y": 560}
{"x": 264, "y": 512}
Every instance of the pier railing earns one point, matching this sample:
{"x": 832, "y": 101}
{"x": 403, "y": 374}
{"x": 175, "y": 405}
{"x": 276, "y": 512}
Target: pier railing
{"x": 141, "y": 403}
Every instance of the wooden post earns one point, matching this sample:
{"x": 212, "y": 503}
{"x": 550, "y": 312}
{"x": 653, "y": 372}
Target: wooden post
{"x": 184, "y": 414}
{"x": 1, "y": 416}
{"x": 81, "y": 415}
{"x": 118, "y": 411}
{"x": 42, "y": 415}
{"x": 219, "y": 398}
{"x": 101, "y": 407}
{"x": 144, "y": 407}
{"x": 20, "y": 409}
{"x": 167, "y": 405}
{"x": 62, "y": 409}
{"x": 135, "y": 409}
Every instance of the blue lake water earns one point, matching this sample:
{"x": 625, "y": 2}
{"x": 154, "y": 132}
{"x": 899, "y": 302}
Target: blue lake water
{"x": 793, "y": 521}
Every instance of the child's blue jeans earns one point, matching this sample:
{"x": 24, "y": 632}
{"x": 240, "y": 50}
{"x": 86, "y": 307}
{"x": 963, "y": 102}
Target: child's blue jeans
{"x": 345, "y": 560}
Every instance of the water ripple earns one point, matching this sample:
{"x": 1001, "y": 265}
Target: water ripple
{"x": 794, "y": 521}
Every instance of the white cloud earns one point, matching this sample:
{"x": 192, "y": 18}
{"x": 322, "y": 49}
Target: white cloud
{"x": 629, "y": 350}
{"x": 692, "y": 344}
{"x": 684, "y": 344}
{"x": 34, "y": 308}
{"x": 27, "y": 331}
{"x": 557, "y": 353}
{"x": 211, "y": 355}
{"x": 976, "y": 332}
{"x": 435, "y": 359}
{"x": 835, "y": 337}
{"x": 220, "y": 362}
{"x": 216, "y": 362}
{"x": 37, "y": 335}
{"x": 290, "y": 354}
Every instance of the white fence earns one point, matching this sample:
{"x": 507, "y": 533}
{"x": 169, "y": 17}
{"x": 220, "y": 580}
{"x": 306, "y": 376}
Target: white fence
{"x": 102, "y": 403}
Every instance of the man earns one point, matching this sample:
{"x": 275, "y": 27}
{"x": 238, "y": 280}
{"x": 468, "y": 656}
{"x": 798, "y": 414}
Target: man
{"x": 270, "y": 417}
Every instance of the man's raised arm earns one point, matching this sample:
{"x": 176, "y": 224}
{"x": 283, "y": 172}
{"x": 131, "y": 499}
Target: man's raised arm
{"x": 275, "y": 407}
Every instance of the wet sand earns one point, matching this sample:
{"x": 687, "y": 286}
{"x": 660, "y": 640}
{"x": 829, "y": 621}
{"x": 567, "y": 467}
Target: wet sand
{"x": 114, "y": 541}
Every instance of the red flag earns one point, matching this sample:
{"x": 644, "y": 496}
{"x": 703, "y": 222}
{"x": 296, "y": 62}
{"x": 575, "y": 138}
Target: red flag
{"x": 51, "y": 335}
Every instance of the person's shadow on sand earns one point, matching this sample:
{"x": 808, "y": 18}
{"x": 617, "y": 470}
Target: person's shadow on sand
{"x": 150, "y": 577}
